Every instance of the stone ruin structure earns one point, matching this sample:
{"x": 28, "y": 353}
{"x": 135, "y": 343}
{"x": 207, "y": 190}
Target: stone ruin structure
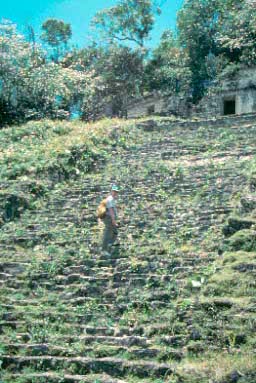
{"x": 158, "y": 104}
{"x": 233, "y": 95}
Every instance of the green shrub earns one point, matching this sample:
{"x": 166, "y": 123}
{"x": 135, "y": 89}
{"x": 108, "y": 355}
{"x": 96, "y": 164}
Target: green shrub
{"x": 243, "y": 240}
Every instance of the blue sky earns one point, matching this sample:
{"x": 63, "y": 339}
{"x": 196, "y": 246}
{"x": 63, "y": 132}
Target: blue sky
{"x": 77, "y": 12}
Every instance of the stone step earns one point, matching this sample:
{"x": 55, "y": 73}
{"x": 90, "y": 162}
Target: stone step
{"x": 113, "y": 366}
{"x": 33, "y": 302}
{"x": 53, "y": 377}
{"x": 201, "y": 211}
{"x": 169, "y": 218}
{"x": 5, "y": 276}
{"x": 111, "y": 349}
{"x": 123, "y": 341}
{"x": 146, "y": 271}
{"x": 81, "y": 327}
{"x": 107, "y": 295}
{"x": 69, "y": 315}
{"x": 25, "y": 329}
{"x": 13, "y": 268}
{"x": 146, "y": 189}
{"x": 190, "y": 224}
{"x": 223, "y": 121}
{"x": 64, "y": 300}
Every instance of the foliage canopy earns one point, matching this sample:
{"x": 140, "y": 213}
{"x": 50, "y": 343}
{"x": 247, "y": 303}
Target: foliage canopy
{"x": 212, "y": 37}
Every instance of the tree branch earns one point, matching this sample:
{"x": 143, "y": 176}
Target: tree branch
{"x": 126, "y": 38}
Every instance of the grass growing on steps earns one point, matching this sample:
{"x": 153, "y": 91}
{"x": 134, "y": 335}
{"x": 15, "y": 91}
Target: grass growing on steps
{"x": 158, "y": 310}
{"x": 39, "y": 146}
{"x": 225, "y": 367}
{"x": 36, "y": 156}
{"x": 236, "y": 276}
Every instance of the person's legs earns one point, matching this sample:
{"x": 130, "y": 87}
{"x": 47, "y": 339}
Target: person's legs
{"x": 114, "y": 237}
{"x": 109, "y": 234}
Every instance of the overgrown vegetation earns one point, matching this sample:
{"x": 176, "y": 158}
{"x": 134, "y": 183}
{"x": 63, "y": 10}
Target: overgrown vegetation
{"x": 212, "y": 38}
{"x": 176, "y": 302}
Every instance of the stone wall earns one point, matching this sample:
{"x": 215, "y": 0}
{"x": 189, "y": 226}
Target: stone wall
{"x": 158, "y": 104}
{"x": 151, "y": 104}
{"x": 245, "y": 102}
{"x": 239, "y": 89}
{"x": 243, "y": 89}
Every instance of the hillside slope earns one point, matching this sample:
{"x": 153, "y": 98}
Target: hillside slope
{"x": 176, "y": 302}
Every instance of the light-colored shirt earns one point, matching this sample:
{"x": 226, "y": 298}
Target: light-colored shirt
{"x": 111, "y": 203}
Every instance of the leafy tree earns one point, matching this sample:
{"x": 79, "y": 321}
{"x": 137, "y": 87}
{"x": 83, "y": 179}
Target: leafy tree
{"x": 215, "y": 33}
{"x": 30, "y": 87}
{"x": 56, "y": 33}
{"x": 83, "y": 59}
{"x": 17, "y": 58}
{"x": 197, "y": 26}
{"x": 88, "y": 102}
{"x": 118, "y": 73}
{"x": 168, "y": 69}
{"x": 52, "y": 90}
{"x": 129, "y": 21}
{"x": 121, "y": 69}
{"x": 237, "y": 33}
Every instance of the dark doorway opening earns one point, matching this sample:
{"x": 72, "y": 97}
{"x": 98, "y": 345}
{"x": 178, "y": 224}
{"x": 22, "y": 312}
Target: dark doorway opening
{"x": 229, "y": 107}
{"x": 151, "y": 109}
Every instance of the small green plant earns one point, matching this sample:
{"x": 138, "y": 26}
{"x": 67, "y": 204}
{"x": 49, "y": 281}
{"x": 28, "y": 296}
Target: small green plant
{"x": 179, "y": 172}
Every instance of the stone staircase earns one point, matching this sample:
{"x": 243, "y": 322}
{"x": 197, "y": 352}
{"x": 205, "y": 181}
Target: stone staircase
{"x": 71, "y": 314}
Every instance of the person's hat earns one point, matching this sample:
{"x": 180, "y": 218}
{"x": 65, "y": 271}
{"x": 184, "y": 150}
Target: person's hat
{"x": 115, "y": 188}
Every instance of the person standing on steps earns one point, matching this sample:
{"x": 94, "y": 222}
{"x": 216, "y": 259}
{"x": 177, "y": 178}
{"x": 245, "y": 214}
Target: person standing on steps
{"x": 110, "y": 220}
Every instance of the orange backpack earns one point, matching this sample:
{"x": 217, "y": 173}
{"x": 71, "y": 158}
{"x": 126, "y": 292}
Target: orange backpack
{"x": 102, "y": 209}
